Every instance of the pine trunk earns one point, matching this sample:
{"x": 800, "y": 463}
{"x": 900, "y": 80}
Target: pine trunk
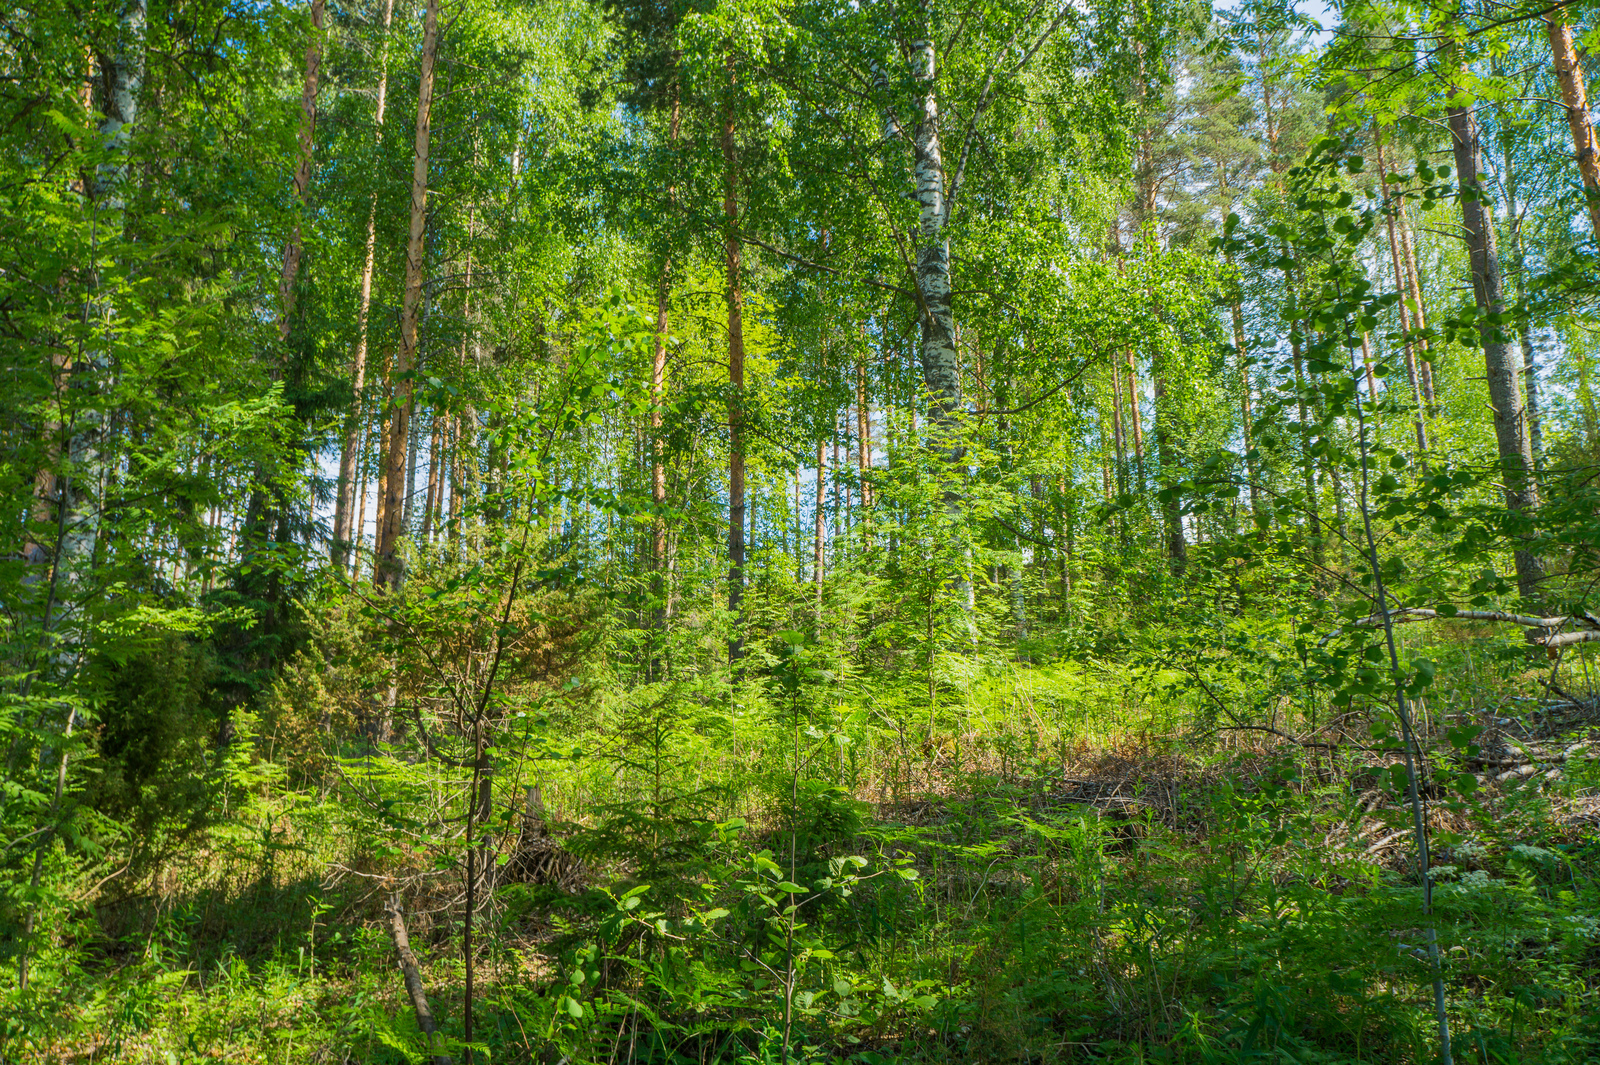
{"x": 344, "y": 534}
{"x": 386, "y": 570}
{"x": 1403, "y": 282}
{"x": 1569, "y": 73}
{"x": 863, "y": 433}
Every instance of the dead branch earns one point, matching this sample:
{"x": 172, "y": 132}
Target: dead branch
{"x": 413, "y": 976}
{"x": 1542, "y": 631}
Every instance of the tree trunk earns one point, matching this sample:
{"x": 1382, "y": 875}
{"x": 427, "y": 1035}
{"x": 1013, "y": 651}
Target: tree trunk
{"x": 302, "y": 175}
{"x": 1246, "y": 415}
{"x": 124, "y": 80}
{"x": 412, "y": 974}
{"x": 658, "y": 459}
{"x": 1172, "y": 515}
{"x": 1136, "y": 423}
{"x": 1418, "y": 308}
{"x": 363, "y": 444}
{"x": 343, "y": 534}
{"x": 1569, "y": 73}
{"x": 1403, "y": 281}
{"x": 430, "y": 506}
{"x": 1366, "y": 364}
{"x": 408, "y": 508}
{"x": 1530, "y": 368}
{"x": 940, "y": 373}
{"x": 658, "y": 382}
{"x": 1116, "y": 430}
{"x": 863, "y": 434}
{"x": 1510, "y": 422}
{"x": 386, "y": 572}
{"x": 1308, "y": 467}
{"x": 735, "y": 299}
{"x": 819, "y": 537}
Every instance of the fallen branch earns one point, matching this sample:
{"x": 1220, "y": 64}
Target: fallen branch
{"x": 1543, "y": 632}
{"x": 413, "y": 977}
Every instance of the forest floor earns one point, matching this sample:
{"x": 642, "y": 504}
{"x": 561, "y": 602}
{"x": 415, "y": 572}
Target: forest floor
{"x": 1246, "y": 898}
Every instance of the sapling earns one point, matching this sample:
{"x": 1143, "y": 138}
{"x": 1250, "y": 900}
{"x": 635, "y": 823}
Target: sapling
{"x": 1411, "y": 749}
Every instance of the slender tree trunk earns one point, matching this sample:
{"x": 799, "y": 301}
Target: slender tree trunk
{"x": 1366, "y": 363}
{"x": 658, "y": 382}
{"x": 381, "y": 461}
{"x": 735, "y": 300}
{"x": 1510, "y": 420}
{"x": 1308, "y": 466}
{"x": 458, "y": 478}
{"x": 295, "y": 247}
{"x": 1172, "y": 515}
{"x": 863, "y": 434}
{"x": 363, "y": 445}
{"x": 819, "y": 533}
{"x": 1136, "y": 423}
{"x": 1402, "y": 282}
{"x": 834, "y": 507}
{"x": 343, "y": 535}
{"x": 658, "y": 458}
{"x": 1418, "y": 307}
{"x": 387, "y": 570}
{"x": 430, "y": 506}
{"x": 1569, "y": 74}
{"x": 408, "y": 508}
{"x": 1530, "y": 367}
{"x": 1116, "y": 430}
{"x": 1246, "y": 414}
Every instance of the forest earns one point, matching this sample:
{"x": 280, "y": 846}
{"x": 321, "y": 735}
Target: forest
{"x": 789, "y": 532}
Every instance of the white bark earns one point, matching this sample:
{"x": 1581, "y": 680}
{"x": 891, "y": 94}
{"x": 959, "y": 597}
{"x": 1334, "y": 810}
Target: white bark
{"x": 938, "y": 349}
{"x": 123, "y": 84}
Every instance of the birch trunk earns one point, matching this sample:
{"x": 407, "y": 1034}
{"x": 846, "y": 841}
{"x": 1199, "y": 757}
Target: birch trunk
{"x": 940, "y": 374}
{"x": 85, "y": 434}
{"x": 1569, "y": 73}
{"x": 343, "y": 532}
{"x": 1510, "y": 419}
{"x": 386, "y": 571}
